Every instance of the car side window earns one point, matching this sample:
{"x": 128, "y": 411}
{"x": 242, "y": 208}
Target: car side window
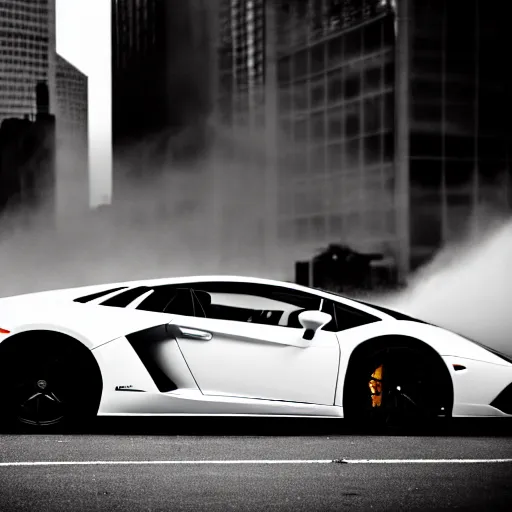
{"x": 347, "y": 317}
{"x": 253, "y": 303}
{"x": 121, "y": 300}
{"x": 169, "y": 299}
{"x": 97, "y": 295}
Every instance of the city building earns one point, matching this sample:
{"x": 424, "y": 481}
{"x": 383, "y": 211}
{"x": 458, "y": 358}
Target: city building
{"x": 27, "y": 54}
{"x": 27, "y": 162}
{"x": 242, "y": 62}
{"x": 392, "y": 124}
{"x": 27, "y": 105}
{"x": 163, "y": 88}
{"x": 336, "y": 76}
{"x": 454, "y": 141}
{"x": 380, "y": 125}
{"x": 160, "y": 86}
{"x": 245, "y": 144}
{"x": 72, "y": 194}
{"x": 290, "y": 78}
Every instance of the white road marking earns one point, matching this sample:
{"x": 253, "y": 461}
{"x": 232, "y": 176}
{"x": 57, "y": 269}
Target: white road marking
{"x": 219, "y": 462}
{"x": 170, "y": 462}
{"x": 423, "y": 461}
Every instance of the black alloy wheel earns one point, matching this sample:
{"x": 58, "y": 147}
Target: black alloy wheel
{"x": 399, "y": 388}
{"x": 48, "y": 385}
{"x": 41, "y": 391}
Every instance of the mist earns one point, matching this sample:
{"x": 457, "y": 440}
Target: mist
{"x": 198, "y": 206}
{"x": 164, "y": 227}
{"x": 467, "y": 287}
{"x": 161, "y": 224}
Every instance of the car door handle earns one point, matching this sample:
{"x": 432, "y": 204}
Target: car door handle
{"x": 195, "y": 334}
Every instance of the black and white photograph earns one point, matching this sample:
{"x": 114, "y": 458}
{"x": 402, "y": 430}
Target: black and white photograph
{"x": 255, "y": 255}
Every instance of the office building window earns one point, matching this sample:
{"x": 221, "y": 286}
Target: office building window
{"x": 318, "y": 127}
{"x": 372, "y": 79}
{"x": 334, "y": 86}
{"x": 335, "y": 52}
{"x": 300, "y": 64}
{"x": 352, "y": 154}
{"x": 459, "y": 176}
{"x": 372, "y": 150}
{"x": 352, "y": 119}
{"x": 334, "y": 156}
{"x": 335, "y": 124}
{"x": 318, "y": 58}
{"x": 425, "y": 175}
{"x": 372, "y": 114}
{"x": 372, "y": 37}
{"x": 301, "y": 131}
{"x": 284, "y": 70}
{"x": 317, "y": 89}
{"x": 352, "y": 45}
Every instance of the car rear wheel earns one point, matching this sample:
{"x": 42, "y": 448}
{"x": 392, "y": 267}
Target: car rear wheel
{"x": 398, "y": 388}
{"x": 49, "y": 386}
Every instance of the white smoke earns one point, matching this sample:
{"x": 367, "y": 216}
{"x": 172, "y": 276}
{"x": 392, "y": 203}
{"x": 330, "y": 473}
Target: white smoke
{"x": 467, "y": 287}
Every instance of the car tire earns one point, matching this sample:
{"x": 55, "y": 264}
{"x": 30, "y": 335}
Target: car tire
{"x": 48, "y": 385}
{"x": 398, "y": 389}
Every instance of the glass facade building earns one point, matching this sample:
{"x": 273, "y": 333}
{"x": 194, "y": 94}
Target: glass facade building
{"x": 241, "y": 64}
{"x": 72, "y": 132}
{"x": 455, "y": 114}
{"x": 336, "y": 77}
{"x": 72, "y": 100}
{"x": 379, "y": 124}
{"x": 27, "y": 54}
{"x": 161, "y": 93}
{"x": 244, "y": 120}
{"x": 392, "y": 122}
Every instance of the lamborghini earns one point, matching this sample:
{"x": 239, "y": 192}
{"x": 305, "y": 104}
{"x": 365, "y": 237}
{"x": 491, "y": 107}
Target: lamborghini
{"x": 225, "y": 346}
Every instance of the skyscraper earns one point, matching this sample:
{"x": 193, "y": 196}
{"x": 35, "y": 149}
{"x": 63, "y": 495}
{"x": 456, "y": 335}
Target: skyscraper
{"x": 27, "y": 54}
{"x": 242, "y": 59}
{"x": 454, "y": 99}
{"x": 336, "y": 76}
{"x": 160, "y": 86}
{"x": 27, "y": 162}
{"x": 393, "y": 124}
{"x": 27, "y": 102}
{"x": 72, "y": 182}
{"x": 244, "y": 170}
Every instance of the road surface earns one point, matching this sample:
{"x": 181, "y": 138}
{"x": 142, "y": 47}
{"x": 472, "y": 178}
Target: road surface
{"x": 261, "y": 465}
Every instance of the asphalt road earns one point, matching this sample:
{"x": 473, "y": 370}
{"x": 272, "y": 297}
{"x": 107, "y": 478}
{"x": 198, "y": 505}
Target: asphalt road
{"x": 215, "y": 465}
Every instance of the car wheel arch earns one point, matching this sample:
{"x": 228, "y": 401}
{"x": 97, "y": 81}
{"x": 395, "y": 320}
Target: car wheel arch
{"x": 44, "y": 337}
{"x": 391, "y": 341}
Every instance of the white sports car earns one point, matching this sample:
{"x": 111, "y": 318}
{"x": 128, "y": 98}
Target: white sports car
{"x": 235, "y": 346}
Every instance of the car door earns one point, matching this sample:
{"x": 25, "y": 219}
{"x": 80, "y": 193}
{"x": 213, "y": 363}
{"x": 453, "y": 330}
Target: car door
{"x": 247, "y": 342}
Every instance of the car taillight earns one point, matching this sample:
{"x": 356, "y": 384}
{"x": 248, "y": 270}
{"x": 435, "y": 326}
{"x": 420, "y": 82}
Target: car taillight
{"x": 4, "y": 331}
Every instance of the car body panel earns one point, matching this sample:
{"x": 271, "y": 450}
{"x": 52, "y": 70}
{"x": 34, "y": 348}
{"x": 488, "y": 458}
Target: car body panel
{"x": 262, "y": 361}
{"x": 477, "y": 385}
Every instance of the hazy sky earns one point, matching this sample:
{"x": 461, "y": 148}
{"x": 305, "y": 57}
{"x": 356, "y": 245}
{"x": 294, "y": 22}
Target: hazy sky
{"x": 83, "y": 38}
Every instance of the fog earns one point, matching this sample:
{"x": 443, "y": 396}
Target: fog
{"x": 177, "y": 218}
{"x": 164, "y": 227}
{"x": 206, "y": 214}
{"x": 467, "y": 287}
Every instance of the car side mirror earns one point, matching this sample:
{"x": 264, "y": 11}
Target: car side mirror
{"x": 312, "y": 321}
